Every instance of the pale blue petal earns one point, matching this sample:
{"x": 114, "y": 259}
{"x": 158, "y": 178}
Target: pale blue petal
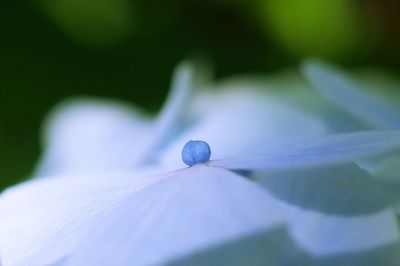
{"x": 273, "y": 247}
{"x": 345, "y": 93}
{"x": 337, "y": 189}
{"x": 86, "y": 135}
{"x": 291, "y": 88}
{"x": 237, "y": 122}
{"x": 171, "y": 118}
{"x": 388, "y": 171}
{"x": 327, "y": 234}
{"x": 190, "y": 211}
{"x": 328, "y": 150}
{"x": 42, "y": 220}
{"x": 252, "y": 251}
{"x": 388, "y": 255}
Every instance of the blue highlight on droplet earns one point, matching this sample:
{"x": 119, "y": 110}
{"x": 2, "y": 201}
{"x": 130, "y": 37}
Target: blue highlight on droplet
{"x": 196, "y": 151}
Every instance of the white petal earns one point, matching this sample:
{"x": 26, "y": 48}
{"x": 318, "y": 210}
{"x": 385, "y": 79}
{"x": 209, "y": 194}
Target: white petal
{"x": 196, "y": 208}
{"x": 322, "y": 234}
{"x": 337, "y": 189}
{"x": 342, "y": 91}
{"x": 234, "y": 122}
{"x": 328, "y": 150}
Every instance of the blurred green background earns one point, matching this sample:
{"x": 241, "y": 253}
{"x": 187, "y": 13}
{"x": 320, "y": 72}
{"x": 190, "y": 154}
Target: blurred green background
{"x": 126, "y": 49}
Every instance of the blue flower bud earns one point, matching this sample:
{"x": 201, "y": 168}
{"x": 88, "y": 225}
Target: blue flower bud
{"x": 196, "y": 151}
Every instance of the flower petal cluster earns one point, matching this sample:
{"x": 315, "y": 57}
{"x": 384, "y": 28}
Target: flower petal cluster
{"x": 285, "y": 185}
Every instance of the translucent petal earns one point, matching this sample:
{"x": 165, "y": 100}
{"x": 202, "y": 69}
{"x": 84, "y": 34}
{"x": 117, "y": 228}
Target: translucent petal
{"x": 236, "y": 122}
{"x": 345, "y": 93}
{"x": 337, "y": 189}
{"x": 328, "y": 150}
{"x": 323, "y": 234}
{"x": 196, "y": 208}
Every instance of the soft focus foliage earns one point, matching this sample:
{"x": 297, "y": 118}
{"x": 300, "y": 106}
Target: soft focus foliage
{"x": 92, "y": 22}
{"x": 325, "y": 28}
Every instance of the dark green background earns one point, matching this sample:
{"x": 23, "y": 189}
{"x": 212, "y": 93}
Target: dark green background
{"x": 41, "y": 63}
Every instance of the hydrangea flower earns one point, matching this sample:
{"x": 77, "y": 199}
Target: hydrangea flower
{"x": 280, "y": 189}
